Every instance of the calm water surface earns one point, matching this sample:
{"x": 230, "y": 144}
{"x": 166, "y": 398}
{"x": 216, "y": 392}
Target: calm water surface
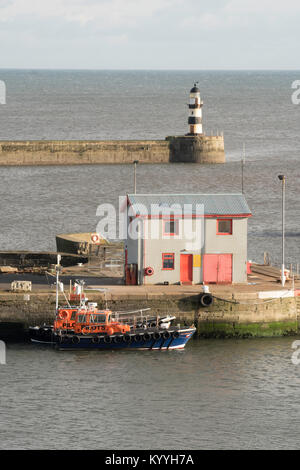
{"x": 215, "y": 394}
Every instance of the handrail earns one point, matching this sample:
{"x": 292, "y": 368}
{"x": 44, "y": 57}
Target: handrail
{"x": 134, "y": 311}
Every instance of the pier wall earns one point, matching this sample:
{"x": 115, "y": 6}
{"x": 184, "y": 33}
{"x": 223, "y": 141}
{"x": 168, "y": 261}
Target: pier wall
{"x": 82, "y": 152}
{"x": 197, "y": 149}
{"x": 201, "y": 149}
{"x": 240, "y": 316}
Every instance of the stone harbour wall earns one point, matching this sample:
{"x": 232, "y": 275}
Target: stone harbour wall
{"x": 201, "y": 149}
{"x": 241, "y": 317}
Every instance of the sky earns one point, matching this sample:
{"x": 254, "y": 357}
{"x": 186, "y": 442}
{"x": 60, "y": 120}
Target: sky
{"x": 150, "y": 34}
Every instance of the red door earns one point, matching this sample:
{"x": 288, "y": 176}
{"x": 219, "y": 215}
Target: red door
{"x": 131, "y": 274}
{"x": 217, "y": 268}
{"x": 186, "y": 268}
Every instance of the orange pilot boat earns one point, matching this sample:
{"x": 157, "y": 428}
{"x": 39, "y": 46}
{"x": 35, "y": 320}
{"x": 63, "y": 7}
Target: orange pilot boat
{"x": 86, "y": 327}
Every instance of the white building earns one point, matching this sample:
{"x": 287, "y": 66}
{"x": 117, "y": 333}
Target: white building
{"x": 186, "y": 238}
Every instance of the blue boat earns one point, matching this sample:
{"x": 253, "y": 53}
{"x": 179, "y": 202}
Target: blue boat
{"x": 149, "y": 339}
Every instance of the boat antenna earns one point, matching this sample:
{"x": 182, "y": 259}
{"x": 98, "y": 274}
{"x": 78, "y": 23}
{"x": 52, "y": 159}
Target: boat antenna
{"x": 243, "y": 162}
{"x": 57, "y": 269}
{"x": 102, "y": 289}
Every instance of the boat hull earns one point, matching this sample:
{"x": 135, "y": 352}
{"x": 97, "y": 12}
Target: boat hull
{"x": 172, "y": 342}
{"x": 138, "y": 340}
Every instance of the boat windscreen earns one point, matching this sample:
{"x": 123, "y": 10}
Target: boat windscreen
{"x": 81, "y": 318}
{"x": 98, "y": 318}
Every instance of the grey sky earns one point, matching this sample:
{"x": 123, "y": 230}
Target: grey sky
{"x": 150, "y": 34}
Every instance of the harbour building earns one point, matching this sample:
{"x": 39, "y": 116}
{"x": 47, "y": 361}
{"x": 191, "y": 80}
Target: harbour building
{"x": 186, "y": 239}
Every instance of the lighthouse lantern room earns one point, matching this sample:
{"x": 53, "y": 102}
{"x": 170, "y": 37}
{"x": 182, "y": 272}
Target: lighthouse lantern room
{"x": 195, "y": 112}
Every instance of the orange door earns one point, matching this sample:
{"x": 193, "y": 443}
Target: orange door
{"x": 186, "y": 268}
{"x": 217, "y": 268}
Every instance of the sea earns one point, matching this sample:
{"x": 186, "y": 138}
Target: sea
{"x": 215, "y": 394}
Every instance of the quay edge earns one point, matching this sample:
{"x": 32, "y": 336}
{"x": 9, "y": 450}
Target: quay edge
{"x": 226, "y": 318}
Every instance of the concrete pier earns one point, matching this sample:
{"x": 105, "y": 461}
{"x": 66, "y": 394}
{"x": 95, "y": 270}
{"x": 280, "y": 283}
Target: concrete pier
{"x": 233, "y": 314}
{"x": 197, "y": 149}
{"x": 186, "y": 149}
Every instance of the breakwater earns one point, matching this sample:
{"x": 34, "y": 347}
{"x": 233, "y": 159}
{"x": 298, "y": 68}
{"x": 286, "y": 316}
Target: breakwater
{"x": 238, "y": 315}
{"x": 187, "y": 149}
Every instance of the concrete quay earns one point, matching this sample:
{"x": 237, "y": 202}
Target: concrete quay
{"x": 182, "y": 149}
{"x": 237, "y": 310}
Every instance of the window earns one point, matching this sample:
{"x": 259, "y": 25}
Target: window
{"x": 97, "y": 318}
{"x": 224, "y": 227}
{"x": 168, "y": 261}
{"x": 81, "y": 318}
{"x": 171, "y": 227}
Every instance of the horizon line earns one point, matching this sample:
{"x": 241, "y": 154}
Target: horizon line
{"x": 153, "y": 69}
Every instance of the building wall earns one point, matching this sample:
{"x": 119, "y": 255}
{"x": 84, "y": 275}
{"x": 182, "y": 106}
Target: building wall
{"x": 154, "y": 249}
{"x": 235, "y": 244}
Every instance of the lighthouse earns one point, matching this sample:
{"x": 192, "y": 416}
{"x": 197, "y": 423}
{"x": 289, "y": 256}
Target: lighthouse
{"x": 195, "y": 112}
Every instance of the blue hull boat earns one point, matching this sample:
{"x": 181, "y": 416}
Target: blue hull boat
{"x": 150, "y": 340}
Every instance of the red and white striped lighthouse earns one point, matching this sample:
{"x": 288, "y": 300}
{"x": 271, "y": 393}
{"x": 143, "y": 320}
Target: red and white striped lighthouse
{"x": 195, "y": 112}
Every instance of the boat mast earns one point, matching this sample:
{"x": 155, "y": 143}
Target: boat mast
{"x": 57, "y": 268}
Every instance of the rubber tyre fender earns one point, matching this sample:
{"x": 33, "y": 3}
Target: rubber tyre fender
{"x": 147, "y": 337}
{"x": 118, "y": 339}
{"x": 95, "y": 340}
{"x": 76, "y": 340}
{"x": 156, "y": 336}
{"x": 206, "y": 300}
{"x": 166, "y": 335}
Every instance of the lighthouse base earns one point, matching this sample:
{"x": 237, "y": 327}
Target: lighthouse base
{"x": 196, "y": 149}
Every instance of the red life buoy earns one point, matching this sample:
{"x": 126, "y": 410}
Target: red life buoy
{"x": 95, "y": 238}
{"x": 149, "y": 271}
{"x": 63, "y": 315}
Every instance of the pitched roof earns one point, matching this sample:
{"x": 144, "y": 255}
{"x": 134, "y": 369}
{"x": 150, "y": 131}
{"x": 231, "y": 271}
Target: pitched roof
{"x": 213, "y": 204}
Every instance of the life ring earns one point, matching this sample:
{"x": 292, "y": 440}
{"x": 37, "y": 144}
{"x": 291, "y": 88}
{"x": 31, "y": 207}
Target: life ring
{"x": 149, "y": 271}
{"x": 95, "y": 238}
{"x": 63, "y": 315}
{"x": 110, "y": 331}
